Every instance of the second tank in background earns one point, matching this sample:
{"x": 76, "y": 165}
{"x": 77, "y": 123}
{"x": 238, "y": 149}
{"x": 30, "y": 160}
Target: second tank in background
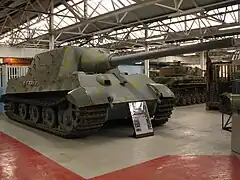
{"x": 187, "y": 83}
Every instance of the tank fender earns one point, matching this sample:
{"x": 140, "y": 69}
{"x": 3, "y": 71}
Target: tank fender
{"x": 161, "y": 90}
{"x": 88, "y": 96}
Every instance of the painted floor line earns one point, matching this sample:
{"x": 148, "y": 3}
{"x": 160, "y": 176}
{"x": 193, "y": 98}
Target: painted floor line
{"x": 180, "y": 168}
{"x": 19, "y": 161}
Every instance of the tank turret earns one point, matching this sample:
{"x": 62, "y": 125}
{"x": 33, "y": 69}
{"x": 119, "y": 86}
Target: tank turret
{"x": 73, "y": 91}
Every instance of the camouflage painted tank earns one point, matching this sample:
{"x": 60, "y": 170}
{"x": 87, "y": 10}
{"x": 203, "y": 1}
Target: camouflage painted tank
{"x": 187, "y": 83}
{"x": 73, "y": 91}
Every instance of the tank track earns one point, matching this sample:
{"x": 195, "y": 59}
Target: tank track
{"x": 188, "y": 91}
{"x": 163, "y": 111}
{"x": 190, "y": 97}
{"x": 89, "y": 120}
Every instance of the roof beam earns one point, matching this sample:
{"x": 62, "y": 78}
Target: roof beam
{"x": 72, "y": 10}
{"x": 210, "y": 32}
{"x": 33, "y": 11}
{"x": 168, "y": 7}
{"x": 110, "y": 28}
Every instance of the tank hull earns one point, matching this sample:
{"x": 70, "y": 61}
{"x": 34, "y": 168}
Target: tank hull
{"x": 83, "y": 110}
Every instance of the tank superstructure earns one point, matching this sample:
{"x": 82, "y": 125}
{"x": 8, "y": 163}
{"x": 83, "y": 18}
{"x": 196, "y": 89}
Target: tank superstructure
{"x": 73, "y": 91}
{"x": 187, "y": 83}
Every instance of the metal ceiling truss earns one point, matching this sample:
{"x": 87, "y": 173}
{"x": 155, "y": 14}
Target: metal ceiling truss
{"x": 87, "y": 23}
{"x": 202, "y": 25}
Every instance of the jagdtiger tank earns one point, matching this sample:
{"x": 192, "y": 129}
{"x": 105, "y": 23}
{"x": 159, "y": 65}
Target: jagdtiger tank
{"x": 72, "y": 91}
{"x": 187, "y": 83}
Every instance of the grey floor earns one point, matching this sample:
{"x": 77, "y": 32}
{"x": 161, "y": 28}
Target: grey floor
{"x": 191, "y": 130}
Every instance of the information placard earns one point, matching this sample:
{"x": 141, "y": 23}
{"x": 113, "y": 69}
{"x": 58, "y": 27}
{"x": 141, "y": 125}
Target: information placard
{"x": 141, "y": 120}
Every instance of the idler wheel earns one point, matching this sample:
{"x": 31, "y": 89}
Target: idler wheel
{"x": 49, "y": 117}
{"x": 34, "y": 113}
{"x": 22, "y": 108}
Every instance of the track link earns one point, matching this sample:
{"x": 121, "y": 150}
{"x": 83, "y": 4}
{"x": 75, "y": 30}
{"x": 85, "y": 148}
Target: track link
{"x": 163, "y": 111}
{"x": 88, "y": 121}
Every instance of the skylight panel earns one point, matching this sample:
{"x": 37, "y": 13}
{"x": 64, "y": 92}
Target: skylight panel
{"x": 138, "y": 34}
{"x": 43, "y": 24}
{"x": 127, "y": 2}
{"x": 78, "y": 6}
{"x": 214, "y": 23}
{"x": 118, "y": 4}
{"x": 59, "y": 8}
{"x": 229, "y": 18}
{"x": 155, "y": 33}
{"x": 106, "y": 6}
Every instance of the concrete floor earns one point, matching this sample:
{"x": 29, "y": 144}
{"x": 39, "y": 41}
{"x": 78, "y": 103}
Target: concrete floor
{"x": 190, "y": 131}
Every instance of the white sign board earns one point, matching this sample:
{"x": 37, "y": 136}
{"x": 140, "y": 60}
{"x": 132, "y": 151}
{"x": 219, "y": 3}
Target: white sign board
{"x": 141, "y": 119}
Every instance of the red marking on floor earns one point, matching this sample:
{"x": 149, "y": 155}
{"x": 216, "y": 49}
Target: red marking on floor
{"x": 180, "y": 168}
{"x": 20, "y": 162}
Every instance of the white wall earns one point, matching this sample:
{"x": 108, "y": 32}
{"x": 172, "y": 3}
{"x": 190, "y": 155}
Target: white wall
{"x": 131, "y": 69}
{"x": 20, "y": 52}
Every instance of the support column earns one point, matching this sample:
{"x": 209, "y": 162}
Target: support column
{"x": 146, "y": 63}
{"x": 51, "y": 26}
{"x": 239, "y": 13}
{"x": 85, "y": 9}
{"x": 203, "y": 60}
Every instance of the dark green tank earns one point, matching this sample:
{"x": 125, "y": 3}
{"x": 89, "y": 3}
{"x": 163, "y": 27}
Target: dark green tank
{"x": 187, "y": 83}
{"x": 73, "y": 91}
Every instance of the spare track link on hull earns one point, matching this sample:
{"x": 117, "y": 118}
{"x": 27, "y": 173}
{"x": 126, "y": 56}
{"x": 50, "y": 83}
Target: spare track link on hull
{"x": 89, "y": 121}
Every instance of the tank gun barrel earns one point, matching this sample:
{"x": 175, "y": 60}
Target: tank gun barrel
{"x": 130, "y": 59}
